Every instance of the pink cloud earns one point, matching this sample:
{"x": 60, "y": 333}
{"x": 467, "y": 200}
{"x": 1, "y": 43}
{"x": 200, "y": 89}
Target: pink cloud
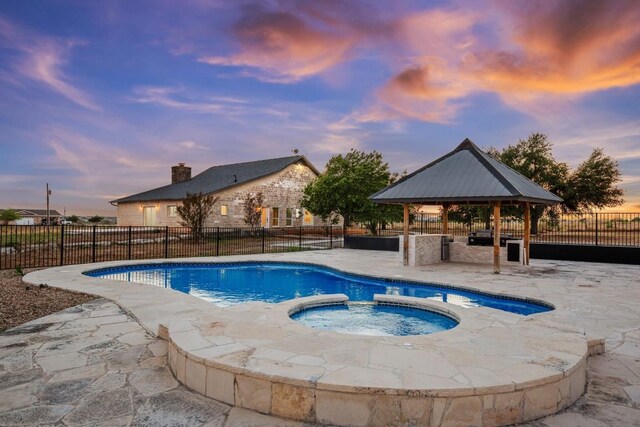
{"x": 170, "y": 97}
{"x": 537, "y": 56}
{"x": 179, "y": 98}
{"x": 430, "y": 87}
{"x": 42, "y": 59}
{"x": 563, "y": 47}
{"x": 287, "y": 46}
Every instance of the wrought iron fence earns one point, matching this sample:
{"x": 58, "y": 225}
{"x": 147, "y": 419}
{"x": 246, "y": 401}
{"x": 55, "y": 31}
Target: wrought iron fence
{"x": 606, "y": 229}
{"x": 29, "y": 246}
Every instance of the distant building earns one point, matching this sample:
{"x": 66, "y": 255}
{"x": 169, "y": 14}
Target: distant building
{"x": 36, "y": 216}
{"x": 281, "y": 182}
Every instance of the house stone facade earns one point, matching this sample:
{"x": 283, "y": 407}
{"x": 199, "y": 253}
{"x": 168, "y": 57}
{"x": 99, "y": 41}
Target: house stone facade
{"x": 281, "y": 187}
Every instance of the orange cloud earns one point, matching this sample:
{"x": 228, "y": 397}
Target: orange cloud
{"x": 438, "y": 33}
{"x": 431, "y": 88}
{"x": 537, "y": 56}
{"x": 564, "y": 47}
{"x": 421, "y": 92}
{"x": 287, "y": 47}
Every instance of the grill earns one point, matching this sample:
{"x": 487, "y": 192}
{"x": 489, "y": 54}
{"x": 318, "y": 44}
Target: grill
{"x": 485, "y": 238}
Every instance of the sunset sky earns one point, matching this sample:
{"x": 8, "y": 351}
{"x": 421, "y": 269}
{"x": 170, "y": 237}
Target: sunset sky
{"x": 100, "y": 98}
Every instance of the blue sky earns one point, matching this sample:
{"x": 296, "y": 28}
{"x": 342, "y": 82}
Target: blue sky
{"x": 99, "y": 99}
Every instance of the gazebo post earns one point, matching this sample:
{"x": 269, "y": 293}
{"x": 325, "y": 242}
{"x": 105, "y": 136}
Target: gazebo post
{"x": 527, "y": 232}
{"x": 496, "y": 237}
{"x": 405, "y": 242}
{"x": 445, "y": 218}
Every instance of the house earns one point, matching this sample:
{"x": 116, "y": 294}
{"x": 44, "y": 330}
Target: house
{"x": 36, "y": 216}
{"x": 281, "y": 182}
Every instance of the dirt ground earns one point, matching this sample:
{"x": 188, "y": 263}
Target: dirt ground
{"x": 20, "y": 303}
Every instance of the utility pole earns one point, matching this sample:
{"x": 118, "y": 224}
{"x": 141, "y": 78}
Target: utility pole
{"x": 48, "y": 213}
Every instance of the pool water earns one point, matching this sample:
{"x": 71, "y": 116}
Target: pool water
{"x": 374, "y": 320}
{"x": 236, "y": 283}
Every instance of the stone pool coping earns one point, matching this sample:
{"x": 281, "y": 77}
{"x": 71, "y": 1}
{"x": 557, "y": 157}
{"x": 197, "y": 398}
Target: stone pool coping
{"x": 494, "y": 368}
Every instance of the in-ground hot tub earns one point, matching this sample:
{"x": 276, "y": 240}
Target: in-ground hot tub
{"x": 374, "y": 319}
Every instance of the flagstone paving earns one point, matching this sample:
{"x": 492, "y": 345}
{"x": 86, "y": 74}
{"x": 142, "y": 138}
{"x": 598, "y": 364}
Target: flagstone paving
{"x": 92, "y": 365}
{"x": 95, "y": 365}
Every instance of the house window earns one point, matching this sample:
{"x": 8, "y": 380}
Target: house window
{"x": 289, "y": 217}
{"x": 224, "y": 210}
{"x": 172, "y": 211}
{"x": 275, "y": 217}
{"x": 307, "y": 218}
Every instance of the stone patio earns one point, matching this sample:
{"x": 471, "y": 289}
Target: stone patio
{"x": 575, "y": 288}
{"x": 92, "y": 365}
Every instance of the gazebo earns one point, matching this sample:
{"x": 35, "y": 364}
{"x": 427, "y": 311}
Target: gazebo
{"x": 467, "y": 175}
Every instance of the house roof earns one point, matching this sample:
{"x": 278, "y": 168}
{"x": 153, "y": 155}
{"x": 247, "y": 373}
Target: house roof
{"x": 35, "y": 212}
{"x": 218, "y": 178}
{"x": 465, "y": 175}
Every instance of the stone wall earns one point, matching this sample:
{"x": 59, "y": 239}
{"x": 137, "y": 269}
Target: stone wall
{"x": 461, "y": 252}
{"x": 281, "y": 190}
{"x": 425, "y": 249}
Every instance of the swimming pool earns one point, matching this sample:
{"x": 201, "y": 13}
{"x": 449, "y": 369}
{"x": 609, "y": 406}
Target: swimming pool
{"x": 227, "y": 284}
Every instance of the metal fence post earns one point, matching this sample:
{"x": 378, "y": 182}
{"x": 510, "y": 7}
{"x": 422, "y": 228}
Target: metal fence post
{"x": 62, "y": 244}
{"x": 218, "y": 241}
{"x": 93, "y": 244}
{"x": 330, "y": 237}
{"x": 596, "y": 228}
{"x": 300, "y": 239}
{"x": 263, "y": 237}
{"x": 166, "y": 242}
{"x": 129, "y": 253}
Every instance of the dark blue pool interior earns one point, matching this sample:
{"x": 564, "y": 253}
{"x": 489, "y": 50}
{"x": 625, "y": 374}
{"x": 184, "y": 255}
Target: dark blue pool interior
{"x": 235, "y": 283}
{"x": 374, "y": 319}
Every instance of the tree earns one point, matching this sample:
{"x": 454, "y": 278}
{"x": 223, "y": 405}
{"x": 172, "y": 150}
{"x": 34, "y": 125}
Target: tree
{"x": 344, "y": 189}
{"x": 470, "y": 214}
{"x": 8, "y": 215}
{"x": 74, "y": 219}
{"x": 533, "y": 158}
{"x": 253, "y": 209}
{"x": 195, "y": 209}
{"x": 95, "y": 219}
{"x": 591, "y": 185}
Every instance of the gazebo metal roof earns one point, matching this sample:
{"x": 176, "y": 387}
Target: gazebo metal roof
{"x": 465, "y": 175}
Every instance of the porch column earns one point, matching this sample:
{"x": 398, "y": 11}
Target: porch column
{"x": 527, "y": 231}
{"x": 445, "y": 218}
{"x": 496, "y": 237}
{"x": 405, "y": 242}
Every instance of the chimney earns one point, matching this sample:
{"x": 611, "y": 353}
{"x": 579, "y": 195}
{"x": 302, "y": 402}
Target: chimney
{"x": 180, "y": 173}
